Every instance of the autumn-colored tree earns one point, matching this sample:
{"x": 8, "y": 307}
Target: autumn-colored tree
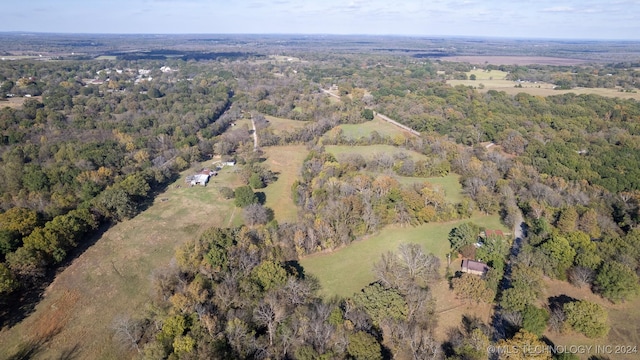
{"x": 20, "y": 220}
{"x": 523, "y": 345}
{"x": 470, "y": 287}
{"x": 568, "y": 220}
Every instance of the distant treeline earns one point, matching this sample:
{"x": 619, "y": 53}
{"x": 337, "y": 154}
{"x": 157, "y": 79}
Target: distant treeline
{"x": 164, "y": 54}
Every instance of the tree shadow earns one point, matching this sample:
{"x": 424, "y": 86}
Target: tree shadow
{"x": 22, "y": 302}
{"x": 558, "y": 302}
{"x": 262, "y": 197}
{"x": 297, "y": 268}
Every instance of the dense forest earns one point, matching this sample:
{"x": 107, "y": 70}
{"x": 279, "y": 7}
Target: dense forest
{"x": 94, "y": 141}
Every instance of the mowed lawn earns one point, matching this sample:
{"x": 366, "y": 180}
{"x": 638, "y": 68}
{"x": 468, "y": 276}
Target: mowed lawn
{"x": 624, "y": 320}
{"x": 539, "y": 88}
{"x": 113, "y": 277}
{"x": 286, "y": 162}
{"x": 450, "y": 184}
{"x": 356, "y": 131}
{"x": 278, "y": 125}
{"x": 345, "y": 271}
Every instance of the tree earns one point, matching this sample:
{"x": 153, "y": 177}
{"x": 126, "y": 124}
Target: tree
{"x": 534, "y": 319}
{"x": 9, "y": 241}
{"x": 255, "y": 181}
{"x": 128, "y": 331}
{"x": 244, "y": 196}
{"x": 471, "y": 287}
{"x": 268, "y": 275}
{"x": 560, "y": 254}
{"x": 465, "y": 234}
{"x": 523, "y": 345}
{"x": 367, "y": 114}
{"x": 227, "y": 192}
{"x": 20, "y": 220}
{"x": 363, "y": 346}
{"x": 418, "y": 265}
{"x": 616, "y": 281}
{"x": 568, "y": 219}
{"x": 381, "y": 303}
{"x": 255, "y": 214}
{"x": 115, "y": 203}
{"x": 8, "y": 282}
{"x": 517, "y": 298}
{"x": 587, "y": 318}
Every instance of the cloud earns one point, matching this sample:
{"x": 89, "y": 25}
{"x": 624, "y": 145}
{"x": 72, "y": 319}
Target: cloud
{"x": 559, "y": 9}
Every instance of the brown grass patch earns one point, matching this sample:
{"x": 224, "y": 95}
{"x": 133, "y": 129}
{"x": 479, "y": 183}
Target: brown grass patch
{"x": 624, "y": 320}
{"x": 286, "y": 162}
{"x": 112, "y": 278}
{"x": 16, "y": 102}
{"x": 451, "y": 310}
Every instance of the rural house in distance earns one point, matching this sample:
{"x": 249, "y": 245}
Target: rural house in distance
{"x": 474, "y": 267}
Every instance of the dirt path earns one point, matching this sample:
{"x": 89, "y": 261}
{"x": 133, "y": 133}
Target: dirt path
{"x": 381, "y": 116}
{"x": 255, "y": 135}
{"x": 393, "y": 122}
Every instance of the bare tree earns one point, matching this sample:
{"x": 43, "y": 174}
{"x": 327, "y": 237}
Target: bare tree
{"x": 128, "y": 331}
{"x": 581, "y": 276}
{"x": 255, "y": 214}
{"x": 418, "y": 264}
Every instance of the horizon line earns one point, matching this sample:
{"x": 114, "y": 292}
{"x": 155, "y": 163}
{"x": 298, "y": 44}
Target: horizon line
{"x": 22, "y": 32}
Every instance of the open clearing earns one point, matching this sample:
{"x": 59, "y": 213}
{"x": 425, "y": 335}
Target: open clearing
{"x": 356, "y": 131}
{"x": 515, "y": 60}
{"x": 278, "y": 125}
{"x": 539, "y": 88}
{"x": 624, "y": 320}
{"x": 369, "y": 151}
{"x": 450, "y": 184}
{"x": 347, "y": 270}
{"x": 16, "y": 102}
{"x": 113, "y": 276}
{"x": 286, "y": 162}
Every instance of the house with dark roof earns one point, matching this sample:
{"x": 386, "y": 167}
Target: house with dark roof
{"x": 474, "y": 267}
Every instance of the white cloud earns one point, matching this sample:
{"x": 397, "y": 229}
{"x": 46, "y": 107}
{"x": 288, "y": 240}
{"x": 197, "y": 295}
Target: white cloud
{"x": 559, "y": 9}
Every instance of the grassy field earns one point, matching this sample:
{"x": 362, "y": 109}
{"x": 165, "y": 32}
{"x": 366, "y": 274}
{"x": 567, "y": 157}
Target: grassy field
{"x": 368, "y": 151}
{"x": 482, "y": 74}
{"x": 538, "y": 89}
{"x": 624, "y": 320}
{"x": 356, "y": 131}
{"x": 358, "y": 258}
{"x": 450, "y": 184}
{"x": 16, "y": 102}
{"x": 113, "y": 276}
{"x": 278, "y": 125}
{"x": 286, "y": 161}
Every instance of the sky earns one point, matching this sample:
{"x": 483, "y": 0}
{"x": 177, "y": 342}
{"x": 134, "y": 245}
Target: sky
{"x": 547, "y": 19}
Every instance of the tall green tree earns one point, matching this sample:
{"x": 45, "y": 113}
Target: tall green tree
{"x": 463, "y": 235}
{"x": 587, "y": 318}
{"x": 244, "y": 196}
{"x": 616, "y": 281}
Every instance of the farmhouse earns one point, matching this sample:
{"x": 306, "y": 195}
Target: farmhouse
{"x": 474, "y": 267}
{"x": 201, "y": 178}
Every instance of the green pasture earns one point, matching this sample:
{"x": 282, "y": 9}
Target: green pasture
{"x": 347, "y": 270}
